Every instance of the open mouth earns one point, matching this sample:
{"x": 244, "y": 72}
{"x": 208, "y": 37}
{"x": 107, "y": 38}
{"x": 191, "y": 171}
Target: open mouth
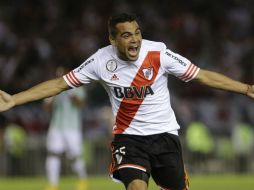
{"x": 133, "y": 51}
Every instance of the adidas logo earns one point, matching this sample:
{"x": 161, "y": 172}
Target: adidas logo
{"x": 114, "y": 77}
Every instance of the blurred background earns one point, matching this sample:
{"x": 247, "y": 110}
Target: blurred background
{"x": 37, "y": 36}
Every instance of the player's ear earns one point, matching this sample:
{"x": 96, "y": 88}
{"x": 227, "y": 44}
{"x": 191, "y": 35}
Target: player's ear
{"x": 112, "y": 40}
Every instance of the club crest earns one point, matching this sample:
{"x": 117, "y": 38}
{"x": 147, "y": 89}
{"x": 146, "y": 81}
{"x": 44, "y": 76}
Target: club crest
{"x": 111, "y": 65}
{"x": 148, "y": 73}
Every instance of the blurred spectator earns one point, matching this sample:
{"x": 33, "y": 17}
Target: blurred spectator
{"x": 200, "y": 144}
{"x": 15, "y": 142}
{"x": 243, "y": 143}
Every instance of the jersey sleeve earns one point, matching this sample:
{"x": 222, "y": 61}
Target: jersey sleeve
{"x": 84, "y": 74}
{"x": 178, "y": 65}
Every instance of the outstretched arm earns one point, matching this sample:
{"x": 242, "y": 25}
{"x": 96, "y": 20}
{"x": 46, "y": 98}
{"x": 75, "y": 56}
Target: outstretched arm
{"x": 222, "y": 82}
{"x": 40, "y": 91}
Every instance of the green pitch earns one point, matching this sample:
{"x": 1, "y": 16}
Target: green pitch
{"x": 207, "y": 182}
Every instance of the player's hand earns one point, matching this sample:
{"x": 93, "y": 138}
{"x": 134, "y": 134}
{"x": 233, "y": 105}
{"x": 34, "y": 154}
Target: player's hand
{"x": 6, "y": 101}
{"x": 250, "y": 91}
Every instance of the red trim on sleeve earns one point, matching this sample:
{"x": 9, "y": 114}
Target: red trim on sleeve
{"x": 70, "y": 80}
{"x": 75, "y": 78}
{"x": 189, "y": 73}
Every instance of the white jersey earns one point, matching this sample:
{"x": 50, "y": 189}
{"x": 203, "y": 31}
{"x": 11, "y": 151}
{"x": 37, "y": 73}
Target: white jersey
{"x": 137, "y": 89}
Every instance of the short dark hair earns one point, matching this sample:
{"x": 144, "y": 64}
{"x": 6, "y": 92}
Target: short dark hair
{"x": 119, "y": 18}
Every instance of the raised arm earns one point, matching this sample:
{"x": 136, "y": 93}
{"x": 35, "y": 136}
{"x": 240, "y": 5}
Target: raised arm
{"x": 40, "y": 91}
{"x": 223, "y": 82}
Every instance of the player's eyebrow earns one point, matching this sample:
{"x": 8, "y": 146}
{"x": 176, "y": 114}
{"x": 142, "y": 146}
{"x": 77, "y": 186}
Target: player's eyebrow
{"x": 138, "y": 29}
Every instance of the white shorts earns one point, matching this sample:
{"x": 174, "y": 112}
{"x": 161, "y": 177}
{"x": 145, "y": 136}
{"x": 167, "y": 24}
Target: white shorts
{"x": 62, "y": 140}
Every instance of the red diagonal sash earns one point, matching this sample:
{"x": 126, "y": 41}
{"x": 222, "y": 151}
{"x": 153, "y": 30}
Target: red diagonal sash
{"x": 129, "y": 107}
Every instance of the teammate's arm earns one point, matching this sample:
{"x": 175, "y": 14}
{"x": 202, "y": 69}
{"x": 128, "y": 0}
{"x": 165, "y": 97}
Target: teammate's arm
{"x": 40, "y": 91}
{"x": 223, "y": 82}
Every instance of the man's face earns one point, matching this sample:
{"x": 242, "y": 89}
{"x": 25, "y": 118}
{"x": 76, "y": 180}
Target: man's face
{"x": 127, "y": 40}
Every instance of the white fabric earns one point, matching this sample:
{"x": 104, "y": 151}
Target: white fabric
{"x": 69, "y": 141}
{"x": 153, "y": 114}
{"x": 53, "y": 169}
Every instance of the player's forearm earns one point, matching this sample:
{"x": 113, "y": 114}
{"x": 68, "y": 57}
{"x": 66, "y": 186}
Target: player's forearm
{"x": 220, "y": 81}
{"x": 41, "y": 91}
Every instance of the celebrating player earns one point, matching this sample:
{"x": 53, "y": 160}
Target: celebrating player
{"x": 134, "y": 73}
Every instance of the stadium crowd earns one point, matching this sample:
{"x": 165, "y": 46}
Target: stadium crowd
{"x": 37, "y": 36}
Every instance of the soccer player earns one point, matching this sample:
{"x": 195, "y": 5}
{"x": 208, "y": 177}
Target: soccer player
{"x": 134, "y": 73}
{"x": 65, "y": 134}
